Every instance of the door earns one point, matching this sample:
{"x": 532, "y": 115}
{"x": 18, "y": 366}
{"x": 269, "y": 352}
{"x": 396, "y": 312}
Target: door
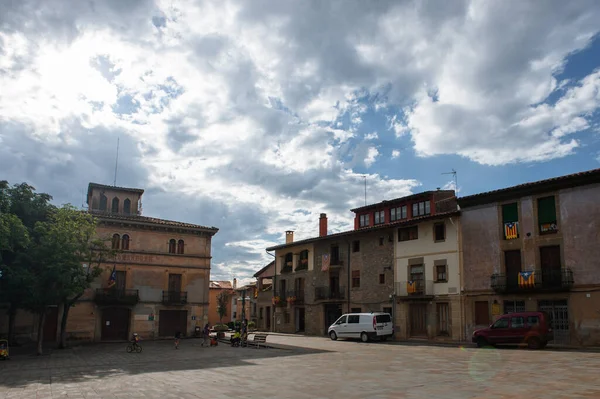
{"x": 499, "y": 331}
{"x": 268, "y": 316}
{"x": 299, "y": 289}
{"x": 174, "y": 288}
{"x": 512, "y": 263}
{"x": 51, "y": 324}
{"x": 334, "y": 286}
{"x": 518, "y": 330}
{"x": 559, "y": 313}
{"x": 115, "y": 324}
{"x": 550, "y": 265}
{"x": 120, "y": 281}
{"x": 417, "y": 276}
{"x": 300, "y": 319}
{"x": 418, "y": 319}
{"x": 332, "y": 313}
{"x": 482, "y": 313}
{"x": 172, "y": 321}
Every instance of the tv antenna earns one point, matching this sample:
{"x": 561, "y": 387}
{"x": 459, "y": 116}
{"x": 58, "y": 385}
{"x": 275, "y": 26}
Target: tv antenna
{"x": 453, "y": 173}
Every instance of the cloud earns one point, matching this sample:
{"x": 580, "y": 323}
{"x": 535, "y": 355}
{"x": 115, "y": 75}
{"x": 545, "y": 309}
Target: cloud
{"x": 371, "y": 157}
{"x": 395, "y": 154}
{"x": 371, "y": 136}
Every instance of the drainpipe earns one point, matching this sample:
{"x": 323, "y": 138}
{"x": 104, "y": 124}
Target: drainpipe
{"x": 348, "y": 311}
{"x": 273, "y": 290}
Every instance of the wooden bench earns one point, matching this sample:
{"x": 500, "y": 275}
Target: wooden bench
{"x": 258, "y": 340}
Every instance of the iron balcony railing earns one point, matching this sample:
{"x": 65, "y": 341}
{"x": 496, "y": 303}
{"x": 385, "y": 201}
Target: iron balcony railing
{"x": 279, "y": 299}
{"x": 295, "y": 297}
{"x": 174, "y": 297}
{"x": 116, "y": 296}
{"x": 326, "y": 293}
{"x": 287, "y": 267}
{"x": 536, "y": 280}
{"x": 414, "y": 288}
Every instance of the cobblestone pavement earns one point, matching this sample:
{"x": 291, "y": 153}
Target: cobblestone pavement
{"x": 302, "y": 367}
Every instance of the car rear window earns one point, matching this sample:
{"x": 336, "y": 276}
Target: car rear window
{"x": 533, "y": 320}
{"x": 383, "y": 318}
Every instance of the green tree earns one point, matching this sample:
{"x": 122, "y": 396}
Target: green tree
{"x": 222, "y": 301}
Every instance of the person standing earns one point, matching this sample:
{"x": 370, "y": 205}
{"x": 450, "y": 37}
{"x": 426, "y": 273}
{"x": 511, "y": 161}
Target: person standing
{"x": 206, "y": 335}
{"x": 177, "y": 338}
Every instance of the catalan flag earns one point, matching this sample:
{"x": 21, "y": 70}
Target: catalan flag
{"x": 411, "y": 287}
{"x": 511, "y": 230}
{"x": 112, "y": 280}
{"x": 526, "y": 279}
{"x": 326, "y": 260}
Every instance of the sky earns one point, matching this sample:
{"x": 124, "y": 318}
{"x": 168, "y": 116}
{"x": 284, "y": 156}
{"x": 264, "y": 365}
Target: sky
{"x": 257, "y": 116}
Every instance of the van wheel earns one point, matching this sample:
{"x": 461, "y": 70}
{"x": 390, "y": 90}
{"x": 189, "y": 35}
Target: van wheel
{"x": 534, "y": 343}
{"x": 333, "y": 336}
{"x": 482, "y": 342}
{"x": 364, "y": 337}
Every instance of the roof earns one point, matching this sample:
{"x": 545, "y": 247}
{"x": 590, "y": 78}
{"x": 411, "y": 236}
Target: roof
{"x": 221, "y": 285}
{"x": 107, "y": 187}
{"x": 399, "y": 199}
{"x": 398, "y": 223}
{"x": 108, "y": 216}
{"x": 532, "y": 188}
{"x": 264, "y": 269}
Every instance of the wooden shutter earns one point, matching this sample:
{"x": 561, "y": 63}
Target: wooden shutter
{"x": 546, "y": 210}
{"x": 510, "y": 213}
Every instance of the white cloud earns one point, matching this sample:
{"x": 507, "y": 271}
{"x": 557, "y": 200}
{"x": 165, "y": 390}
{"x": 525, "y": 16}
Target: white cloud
{"x": 371, "y": 157}
{"x": 371, "y": 136}
{"x": 395, "y": 154}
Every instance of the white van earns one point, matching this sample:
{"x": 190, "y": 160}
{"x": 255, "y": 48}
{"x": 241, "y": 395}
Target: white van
{"x": 362, "y": 325}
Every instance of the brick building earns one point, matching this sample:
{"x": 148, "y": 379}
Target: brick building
{"x": 215, "y": 289}
{"x": 264, "y": 299}
{"x": 535, "y": 247}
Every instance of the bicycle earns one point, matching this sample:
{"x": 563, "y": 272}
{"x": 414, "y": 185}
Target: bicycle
{"x": 134, "y": 346}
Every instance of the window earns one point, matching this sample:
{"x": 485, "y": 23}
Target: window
{"x": 482, "y": 313}
{"x": 421, "y": 208}
{"x": 514, "y": 306}
{"x": 115, "y": 205}
{"x": 303, "y": 260}
{"x": 95, "y": 203}
{"x": 364, "y": 220}
{"x": 353, "y": 319}
{"x": 103, "y": 203}
{"x": 381, "y": 241}
{"x": 517, "y": 322}
{"x": 383, "y": 318}
{"x": 443, "y": 317}
{"x": 180, "y": 246}
{"x": 335, "y": 255}
{"x": 382, "y": 279}
{"x": 172, "y": 246}
{"x": 127, "y": 206}
{"x": 356, "y": 246}
{"x": 387, "y": 310}
{"x": 547, "y": 215}
{"x": 533, "y": 321}
{"x": 510, "y": 221}
{"x": 234, "y": 315}
{"x": 341, "y": 320}
{"x": 440, "y": 274}
{"x": 355, "y": 310}
{"x": 501, "y": 323}
{"x": 398, "y": 213}
{"x": 439, "y": 231}
{"x": 115, "y": 241}
{"x": 379, "y": 217}
{"x": 125, "y": 242}
{"x": 408, "y": 233}
{"x": 288, "y": 262}
{"x": 355, "y": 278}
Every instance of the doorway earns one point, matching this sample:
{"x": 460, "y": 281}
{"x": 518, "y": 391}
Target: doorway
{"x": 115, "y": 324}
{"x": 512, "y": 263}
{"x": 550, "y": 265}
{"x": 268, "y": 318}
{"x": 559, "y": 312}
{"x": 332, "y": 313}
{"x": 300, "y": 319}
{"x": 174, "y": 288}
{"x": 171, "y": 322}
{"x": 418, "y": 319}
{"x": 51, "y": 324}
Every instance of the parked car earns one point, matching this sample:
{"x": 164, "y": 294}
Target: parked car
{"x": 366, "y": 326}
{"x": 531, "y": 328}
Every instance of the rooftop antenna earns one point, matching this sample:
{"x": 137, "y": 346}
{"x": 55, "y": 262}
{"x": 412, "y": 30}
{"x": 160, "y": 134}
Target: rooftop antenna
{"x": 453, "y": 173}
{"x": 116, "y": 163}
{"x": 365, "y": 177}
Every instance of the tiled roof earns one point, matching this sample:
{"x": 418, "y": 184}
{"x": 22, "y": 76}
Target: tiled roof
{"x": 532, "y": 188}
{"x": 398, "y": 223}
{"x": 399, "y": 199}
{"x": 107, "y": 187}
{"x": 149, "y": 220}
{"x": 221, "y": 284}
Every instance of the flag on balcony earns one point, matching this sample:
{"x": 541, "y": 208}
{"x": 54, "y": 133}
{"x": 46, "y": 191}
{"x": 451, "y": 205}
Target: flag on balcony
{"x": 326, "y": 259}
{"x": 526, "y": 279}
{"x": 511, "y": 230}
{"x": 112, "y": 280}
{"x": 411, "y": 287}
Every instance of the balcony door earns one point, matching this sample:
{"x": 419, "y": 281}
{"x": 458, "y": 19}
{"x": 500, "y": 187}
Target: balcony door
{"x": 120, "y": 280}
{"x": 512, "y": 263}
{"x": 550, "y": 265}
{"x": 299, "y": 288}
{"x": 334, "y": 285}
{"x": 417, "y": 276}
{"x": 174, "y": 287}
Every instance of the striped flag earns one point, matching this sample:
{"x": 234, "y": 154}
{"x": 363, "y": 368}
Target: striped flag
{"x": 326, "y": 260}
{"x": 526, "y": 279}
{"x": 112, "y": 280}
{"x": 511, "y": 230}
{"x": 411, "y": 287}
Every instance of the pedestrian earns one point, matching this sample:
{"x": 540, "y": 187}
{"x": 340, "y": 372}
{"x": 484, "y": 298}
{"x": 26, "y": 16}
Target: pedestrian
{"x": 206, "y": 335}
{"x": 177, "y": 338}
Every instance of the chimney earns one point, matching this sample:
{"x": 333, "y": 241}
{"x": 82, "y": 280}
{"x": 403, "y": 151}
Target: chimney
{"x": 323, "y": 225}
{"x": 289, "y": 237}
{"x": 234, "y": 283}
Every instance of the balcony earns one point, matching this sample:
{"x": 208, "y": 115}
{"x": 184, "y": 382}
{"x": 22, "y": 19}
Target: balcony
{"x": 287, "y": 267}
{"x": 115, "y": 296}
{"x": 336, "y": 263}
{"x": 538, "y": 280}
{"x": 416, "y": 289}
{"x": 302, "y": 265}
{"x": 174, "y": 298}
{"x": 280, "y": 299}
{"x": 295, "y": 297}
{"x": 328, "y": 293}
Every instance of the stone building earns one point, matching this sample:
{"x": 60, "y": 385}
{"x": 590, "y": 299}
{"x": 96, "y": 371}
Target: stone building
{"x": 215, "y": 289}
{"x": 161, "y": 276}
{"x": 535, "y": 247}
{"x": 264, "y": 300}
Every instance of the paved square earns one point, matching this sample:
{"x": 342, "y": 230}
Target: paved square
{"x": 302, "y": 368}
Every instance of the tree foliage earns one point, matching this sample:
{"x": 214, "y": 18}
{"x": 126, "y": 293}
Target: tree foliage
{"x": 222, "y": 301}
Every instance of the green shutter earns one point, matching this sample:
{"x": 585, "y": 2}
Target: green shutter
{"x": 546, "y": 210}
{"x": 510, "y": 213}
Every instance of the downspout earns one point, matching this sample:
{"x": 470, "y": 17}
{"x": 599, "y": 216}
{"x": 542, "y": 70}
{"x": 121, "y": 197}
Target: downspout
{"x": 348, "y": 311}
{"x": 273, "y": 290}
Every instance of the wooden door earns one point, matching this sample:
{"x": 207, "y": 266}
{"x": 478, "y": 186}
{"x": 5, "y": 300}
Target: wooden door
{"x": 268, "y": 318}
{"x": 550, "y": 265}
{"x": 512, "y": 263}
{"x": 51, "y": 324}
{"x": 418, "y": 319}
{"x": 171, "y": 322}
{"x": 120, "y": 281}
{"x": 174, "y": 288}
{"x": 115, "y": 324}
{"x": 482, "y": 313}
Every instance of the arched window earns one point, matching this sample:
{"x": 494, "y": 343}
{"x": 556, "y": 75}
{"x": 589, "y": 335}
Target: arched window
{"x": 115, "y": 205}
{"x": 103, "y": 202}
{"x": 115, "y": 241}
{"x": 94, "y": 203}
{"x": 127, "y": 206}
{"x": 180, "y": 246}
{"x": 172, "y": 246}
{"x": 125, "y": 242}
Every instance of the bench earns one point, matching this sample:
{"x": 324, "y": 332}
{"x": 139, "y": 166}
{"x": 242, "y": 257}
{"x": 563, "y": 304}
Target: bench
{"x": 258, "y": 340}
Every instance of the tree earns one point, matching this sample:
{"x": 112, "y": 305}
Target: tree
{"x": 222, "y": 300}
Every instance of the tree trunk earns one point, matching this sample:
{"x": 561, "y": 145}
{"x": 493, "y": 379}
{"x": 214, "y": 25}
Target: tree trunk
{"x": 12, "y": 316}
{"x": 40, "y": 337}
{"x": 63, "y": 325}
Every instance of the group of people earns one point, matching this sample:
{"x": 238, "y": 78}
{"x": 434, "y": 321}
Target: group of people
{"x": 241, "y": 334}
{"x": 205, "y": 337}
{"x": 239, "y": 337}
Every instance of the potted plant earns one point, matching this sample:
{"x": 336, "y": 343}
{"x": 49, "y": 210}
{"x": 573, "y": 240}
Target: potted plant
{"x": 276, "y": 300}
{"x": 251, "y": 325}
{"x": 220, "y": 330}
{"x": 291, "y": 300}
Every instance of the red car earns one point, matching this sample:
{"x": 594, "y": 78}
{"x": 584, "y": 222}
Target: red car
{"x": 531, "y": 328}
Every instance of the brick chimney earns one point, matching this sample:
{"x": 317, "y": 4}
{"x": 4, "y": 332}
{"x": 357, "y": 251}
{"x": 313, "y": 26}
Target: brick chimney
{"x": 323, "y": 225}
{"x": 234, "y": 283}
{"x": 289, "y": 237}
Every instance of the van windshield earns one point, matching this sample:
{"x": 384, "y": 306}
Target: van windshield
{"x": 383, "y": 318}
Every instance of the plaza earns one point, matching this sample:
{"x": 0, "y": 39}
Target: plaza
{"x": 301, "y": 367}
